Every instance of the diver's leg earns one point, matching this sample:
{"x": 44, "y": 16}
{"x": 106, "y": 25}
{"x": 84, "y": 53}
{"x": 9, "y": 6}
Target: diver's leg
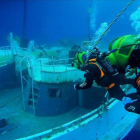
{"x": 116, "y": 92}
{"x": 130, "y": 101}
{"x": 133, "y": 95}
{"x": 132, "y": 105}
{"x": 138, "y": 91}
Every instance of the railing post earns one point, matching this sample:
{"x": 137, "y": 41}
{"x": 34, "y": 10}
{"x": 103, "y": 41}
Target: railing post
{"x": 40, "y": 65}
{"x": 21, "y": 76}
{"x": 107, "y": 96}
{"x": 66, "y": 64}
{"x": 32, "y": 76}
{"x": 53, "y": 65}
{"x": 33, "y": 89}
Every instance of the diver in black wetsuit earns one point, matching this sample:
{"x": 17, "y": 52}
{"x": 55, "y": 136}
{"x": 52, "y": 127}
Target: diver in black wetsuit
{"x": 99, "y": 69}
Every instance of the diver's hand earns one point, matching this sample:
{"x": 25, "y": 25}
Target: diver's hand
{"x": 131, "y": 105}
{"x": 79, "y": 86}
{"x": 83, "y": 85}
{"x": 76, "y": 86}
{"x": 127, "y": 100}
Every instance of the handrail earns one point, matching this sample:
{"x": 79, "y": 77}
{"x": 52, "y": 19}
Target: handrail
{"x": 21, "y": 76}
{"x": 51, "y": 62}
{"x": 33, "y": 89}
{"x": 5, "y": 51}
{"x": 4, "y": 62}
{"x": 21, "y": 51}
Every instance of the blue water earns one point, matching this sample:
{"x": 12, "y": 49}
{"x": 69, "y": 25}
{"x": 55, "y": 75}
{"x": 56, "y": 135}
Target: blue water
{"x": 48, "y": 21}
{"x": 52, "y": 20}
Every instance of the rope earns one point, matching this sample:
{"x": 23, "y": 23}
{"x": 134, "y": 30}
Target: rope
{"x": 13, "y": 99}
{"x": 110, "y": 26}
{"x": 10, "y": 101}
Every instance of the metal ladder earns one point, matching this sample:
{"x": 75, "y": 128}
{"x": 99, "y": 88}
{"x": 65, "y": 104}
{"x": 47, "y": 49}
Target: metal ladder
{"x": 33, "y": 95}
{"x": 31, "y": 88}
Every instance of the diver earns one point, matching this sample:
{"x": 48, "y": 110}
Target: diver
{"x": 99, "y": 69}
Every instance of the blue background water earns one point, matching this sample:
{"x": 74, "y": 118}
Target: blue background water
{"x": 49, "y": 21}
{"x": 52, "y": 20}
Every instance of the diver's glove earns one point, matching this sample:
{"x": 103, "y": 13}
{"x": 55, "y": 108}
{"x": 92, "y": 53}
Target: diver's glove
{"x": 79, "y": 86}
{"x": 131, "y": 105}
{"x": 76, "y": 86}
{"x": 137, "y": 80}
{"x": 127, "y": 100}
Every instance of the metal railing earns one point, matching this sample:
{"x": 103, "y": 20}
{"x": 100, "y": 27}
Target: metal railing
{"x": 23, "y": 79}
{"x": 5, "y": 54}
{"x": 54, "y": 63}
{"x": 32, "y": 64}
{"x": 22, "y": 52}
{"x": 50, "y": 62}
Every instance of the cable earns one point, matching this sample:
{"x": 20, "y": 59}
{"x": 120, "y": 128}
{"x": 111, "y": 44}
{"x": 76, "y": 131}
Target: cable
{"x": 13, "y": 99}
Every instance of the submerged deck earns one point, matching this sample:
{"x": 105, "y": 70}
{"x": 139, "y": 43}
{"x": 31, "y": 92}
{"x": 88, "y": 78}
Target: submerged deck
{"x": 21, "y": 123}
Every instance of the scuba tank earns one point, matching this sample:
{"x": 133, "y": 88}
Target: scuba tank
{"x": 102, "y": 61}
{"x": 106, "y": 69}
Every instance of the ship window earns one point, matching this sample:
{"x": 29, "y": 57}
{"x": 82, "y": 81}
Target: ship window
{"x": 54, "y": 92}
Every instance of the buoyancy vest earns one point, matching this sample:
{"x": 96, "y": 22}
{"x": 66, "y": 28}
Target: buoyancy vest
{"x": 107, "y": 72}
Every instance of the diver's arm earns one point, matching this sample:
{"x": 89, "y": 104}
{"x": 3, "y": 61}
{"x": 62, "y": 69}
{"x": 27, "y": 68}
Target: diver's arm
{"x": 91, "y": 72}
{"x": 87, "y": 84}
{"x": 131, "y": 105}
